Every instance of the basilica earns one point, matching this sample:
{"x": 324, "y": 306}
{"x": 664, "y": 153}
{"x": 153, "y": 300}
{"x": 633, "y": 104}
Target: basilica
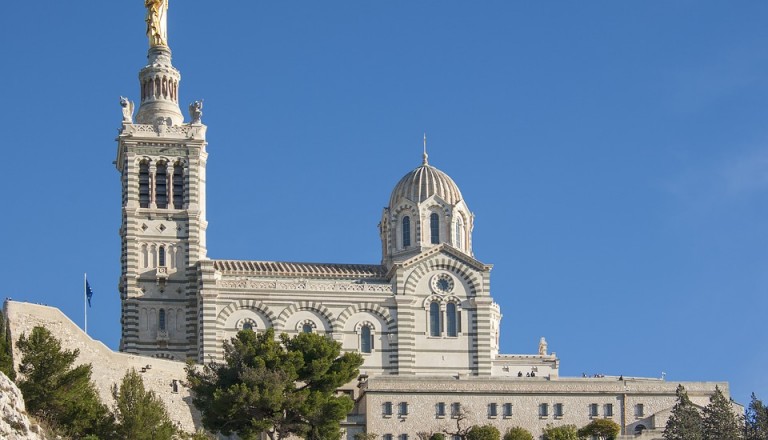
{"x": 423, "y": 319}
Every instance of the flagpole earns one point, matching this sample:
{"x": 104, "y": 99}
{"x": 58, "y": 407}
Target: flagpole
{"x": 85, "y": 300}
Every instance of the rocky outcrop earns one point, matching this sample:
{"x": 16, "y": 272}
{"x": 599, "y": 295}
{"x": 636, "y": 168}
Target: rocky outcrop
{"x": 14, "y": 423}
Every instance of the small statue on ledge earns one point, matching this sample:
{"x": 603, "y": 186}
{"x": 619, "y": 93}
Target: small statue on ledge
{"x": 127, "y": 110}
{"x": 542, "y": 346}
{"x": 196, "y": 112}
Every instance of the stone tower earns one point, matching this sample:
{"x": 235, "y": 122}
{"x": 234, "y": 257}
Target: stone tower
{"x": 161, "y": 161}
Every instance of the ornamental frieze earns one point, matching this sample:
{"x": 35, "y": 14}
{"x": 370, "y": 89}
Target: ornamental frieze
{"x": 304, "y": 285}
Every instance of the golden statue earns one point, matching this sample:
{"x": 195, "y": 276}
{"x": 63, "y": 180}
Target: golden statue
{"x": 157, "y": 22}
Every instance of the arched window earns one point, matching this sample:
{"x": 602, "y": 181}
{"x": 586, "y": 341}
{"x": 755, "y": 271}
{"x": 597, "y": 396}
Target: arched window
{"x": 434, "y": 319}
{"x": 247, "y": 326}
{"x": 434, "y": 228}
{"x": 178, "y": 187}
{"x": 161, "y": 319}
{"x": 161, "y": 186}
{"x": 161, "y": 256}
{"x": 366, "y": 339}
{"x": 451, "y": 320}
{"x": 459, "y": 233}
{"x": 406, "y": 231}
{"x": 144, "y": 185}
{"x": 306, "y": 328}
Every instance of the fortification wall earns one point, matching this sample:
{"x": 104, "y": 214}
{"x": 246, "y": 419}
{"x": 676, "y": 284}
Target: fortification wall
{"x": 109, "y": 367}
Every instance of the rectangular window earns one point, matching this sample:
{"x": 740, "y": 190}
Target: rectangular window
{"x": 639, "y": 410}
{"x": 386, "y": 437}
{"x": 386, "y": 408}
{"x": 593, "y": 410}
{"x": 558, "y": 410}
{"x": 507, "y": 410}
{"x": 543, "y": 410}
{"x": 178, "y": 188}
{"x": 455, "y": 409}
{"x": 440, "y": 409}
{"x": 492, "y": 410}
{"x": 402, "y": 409}
{"x": 609, "y": 410}
{"x": 403, "y": 437}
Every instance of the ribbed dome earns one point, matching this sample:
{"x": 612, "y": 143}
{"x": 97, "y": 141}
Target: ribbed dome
{"x": 424, "y": 182}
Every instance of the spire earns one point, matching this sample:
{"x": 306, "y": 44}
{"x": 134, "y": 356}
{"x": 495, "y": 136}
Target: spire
{"x": 159, "y": 79}
{"x": 425, "y": 155}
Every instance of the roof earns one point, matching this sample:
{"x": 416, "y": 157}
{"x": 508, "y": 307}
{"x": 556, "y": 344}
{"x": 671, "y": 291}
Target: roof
{"x": 292, "y": 269}
{"x": 424, "y": 182}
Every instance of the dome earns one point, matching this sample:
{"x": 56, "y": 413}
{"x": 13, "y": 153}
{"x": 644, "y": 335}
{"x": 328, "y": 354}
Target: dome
{"x": 424, "y": 182}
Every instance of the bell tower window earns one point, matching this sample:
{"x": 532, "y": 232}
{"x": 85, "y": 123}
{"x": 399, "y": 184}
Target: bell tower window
{"x": 161, "y": 186}
{"x": 434, "y": 228}
{"x": 178, "y": 187}
{"x": 161, "y": 319}
{"x": 144, "y": 185}
{"x": 161, "y": 256}
{"x": 406, "y": 231}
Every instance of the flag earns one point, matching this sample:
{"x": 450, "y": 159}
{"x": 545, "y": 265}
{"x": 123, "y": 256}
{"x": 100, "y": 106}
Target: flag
{"x": 88, "y": 292}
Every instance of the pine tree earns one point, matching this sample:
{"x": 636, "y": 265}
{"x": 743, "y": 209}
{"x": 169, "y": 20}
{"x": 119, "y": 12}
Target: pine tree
{"x": 6, "y": 359}
{"x": 685, "y": 421}
{"x": 720, "y": 422}
{"x": 56, "y": 392}
{"x": 139, "y": 413}
{"x": 757, "y": 420}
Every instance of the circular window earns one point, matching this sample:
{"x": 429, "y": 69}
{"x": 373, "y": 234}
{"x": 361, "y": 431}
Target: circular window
{"x": 442, "y": 283}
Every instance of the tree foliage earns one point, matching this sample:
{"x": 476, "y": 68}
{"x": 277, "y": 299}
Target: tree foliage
{"x": 140, "y": 414}
{"x": 54, "y": 391}
{"x": 6, "y": 357}
{"x": 720, "y": 422}
{"x": 565, "y": 432}
{"x": 518, "y": 433}
{"x": 756, "y": 420}
{"x": 280, "y": 387}
{"x": 685, "y": 421}
{"x": 485, "y": 432}
{"x": 604, "y": 429}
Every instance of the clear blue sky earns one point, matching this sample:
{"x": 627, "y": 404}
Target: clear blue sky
{"x": 615, "y": 155}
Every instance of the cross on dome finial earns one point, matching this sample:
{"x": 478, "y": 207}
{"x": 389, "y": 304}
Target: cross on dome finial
{"x": 425, "y": 150}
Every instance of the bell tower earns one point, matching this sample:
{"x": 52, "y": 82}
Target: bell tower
{"x": 161, "y": 160}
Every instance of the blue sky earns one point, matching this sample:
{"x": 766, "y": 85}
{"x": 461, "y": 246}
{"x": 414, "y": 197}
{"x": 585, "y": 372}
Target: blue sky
{"x": 615, "y": 155}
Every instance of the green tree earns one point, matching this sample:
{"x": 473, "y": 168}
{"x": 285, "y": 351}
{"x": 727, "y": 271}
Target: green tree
{"x": 565, "y": 432}
{"x": 366, "y": 436}
{"x": 485, "y": 432}
{"x": 56, "y": 392}
{"x": 518, "y": 433}
{"x": 604, "y": 429}
{"x": 280, "y": 387}
{"x": 720, "y": 422}
{"x": 140, "y": 414}
{"x": 6, "y": 357}
{"x": 437, "y": 436}
{"x": 685, "y": 421}
{"x": 756, "y": 420}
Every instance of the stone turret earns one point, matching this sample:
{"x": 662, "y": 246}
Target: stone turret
{"x": 159, "y": 89}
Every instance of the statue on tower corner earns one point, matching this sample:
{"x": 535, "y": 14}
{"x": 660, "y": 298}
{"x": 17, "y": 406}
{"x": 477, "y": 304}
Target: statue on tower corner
{"x": 196, "y": 112}
{"x": 127, "y": 110}
{"x": 157, "y": 22}
{"x": 542, "y": 347}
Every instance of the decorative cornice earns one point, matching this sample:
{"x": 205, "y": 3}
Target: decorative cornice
{"x": 304, "y": 270}
{"x": 276, "y": 284}
{"x": 446, "y": 248}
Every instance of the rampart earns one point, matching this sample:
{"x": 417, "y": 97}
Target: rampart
{"x": 166, "y": 378}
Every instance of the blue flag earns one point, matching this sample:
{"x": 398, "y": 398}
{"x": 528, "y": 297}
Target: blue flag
{"x": 88, "y": 292}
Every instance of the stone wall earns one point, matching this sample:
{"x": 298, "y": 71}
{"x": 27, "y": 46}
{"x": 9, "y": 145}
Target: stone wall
{"x": 109, "y": 367}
